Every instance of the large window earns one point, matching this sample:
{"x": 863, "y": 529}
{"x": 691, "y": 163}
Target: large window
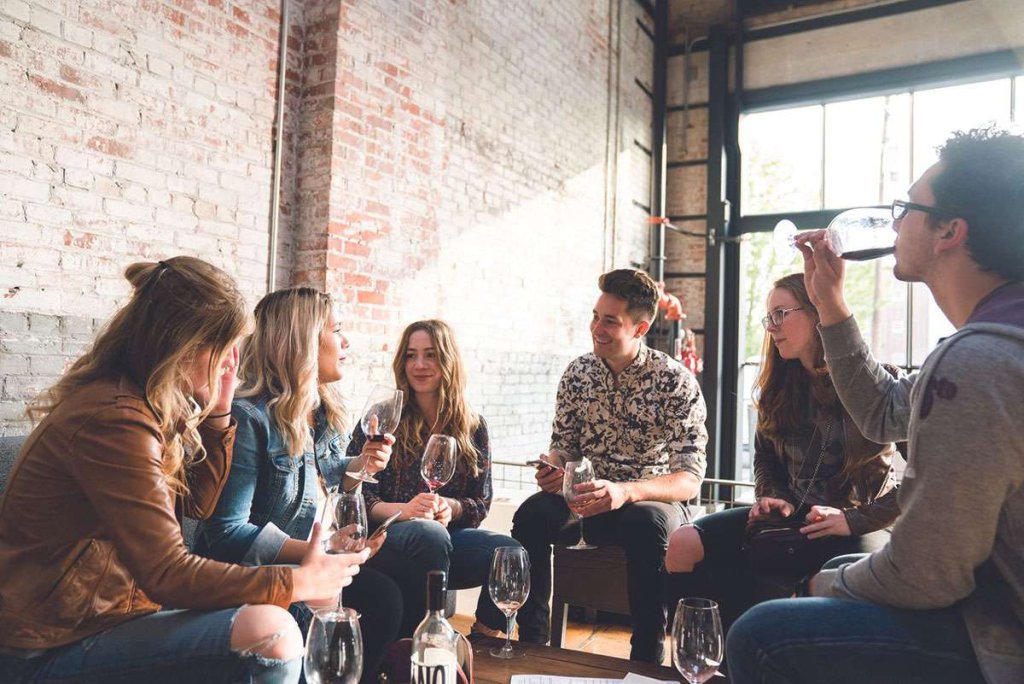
{"x": 840, "y": 155}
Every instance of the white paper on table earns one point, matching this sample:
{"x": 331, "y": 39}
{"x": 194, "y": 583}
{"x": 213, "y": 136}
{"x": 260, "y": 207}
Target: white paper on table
{"x": 633, "y": 678}
{"x": 630, "y": 678}
{"x": 555, "y": 679}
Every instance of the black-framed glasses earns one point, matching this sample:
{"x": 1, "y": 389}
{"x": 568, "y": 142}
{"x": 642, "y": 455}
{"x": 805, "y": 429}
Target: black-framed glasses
{"x": 775, "y": 318}
{"x": 901, "y": 207}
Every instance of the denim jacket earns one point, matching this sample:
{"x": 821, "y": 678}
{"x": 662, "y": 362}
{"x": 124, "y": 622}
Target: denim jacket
{"x": 270, "y": 496}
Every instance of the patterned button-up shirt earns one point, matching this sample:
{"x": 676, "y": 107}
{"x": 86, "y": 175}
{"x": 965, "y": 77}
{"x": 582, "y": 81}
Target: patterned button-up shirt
{"x": 649, "y": 421}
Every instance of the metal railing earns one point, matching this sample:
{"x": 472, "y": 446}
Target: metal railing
{"x": 715, "y": 493}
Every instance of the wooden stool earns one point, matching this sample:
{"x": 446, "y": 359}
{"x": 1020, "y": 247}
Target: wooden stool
{"x": 595, "y": 578}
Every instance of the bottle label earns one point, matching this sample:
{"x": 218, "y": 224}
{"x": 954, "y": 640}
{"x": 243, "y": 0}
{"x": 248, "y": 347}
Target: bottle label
{"x": 437, "y": 667}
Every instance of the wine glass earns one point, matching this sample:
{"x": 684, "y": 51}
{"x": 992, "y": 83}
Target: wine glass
{"x": 438, "y": 463}
{"x": 348, "y": 510}
{"x": 577, "y": 473}
{"x": 697, "y": 639}
{"x": 855, "y": 234}
{"x": 334, "y": 648}
{"x": 381, "y": 415}
{"x": 509, "y": 585}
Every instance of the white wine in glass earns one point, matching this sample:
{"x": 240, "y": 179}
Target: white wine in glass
{"x": 577, "y": 473}
{"x": 509, "y": 586}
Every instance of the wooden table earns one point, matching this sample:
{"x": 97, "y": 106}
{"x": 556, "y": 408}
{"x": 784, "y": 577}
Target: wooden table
{"x": 548, "y": 660}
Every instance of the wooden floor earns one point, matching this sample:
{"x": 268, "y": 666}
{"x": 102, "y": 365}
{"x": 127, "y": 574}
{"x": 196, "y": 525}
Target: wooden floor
{"x": 606, "y": 639}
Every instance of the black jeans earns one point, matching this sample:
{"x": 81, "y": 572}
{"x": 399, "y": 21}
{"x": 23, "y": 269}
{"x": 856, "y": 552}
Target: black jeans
{"x": 726, "y": 576}
{"x": 641, "y": 529}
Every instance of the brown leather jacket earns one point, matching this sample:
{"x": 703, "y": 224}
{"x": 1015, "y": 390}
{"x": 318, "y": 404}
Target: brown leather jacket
{"x": 88, "y": 533}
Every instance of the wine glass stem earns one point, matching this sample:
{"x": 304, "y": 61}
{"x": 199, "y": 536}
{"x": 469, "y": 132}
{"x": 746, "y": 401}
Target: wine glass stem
{"x": 582, "y": 540}
{"x": 509, "y": 622}
{"x": 338, "y": 609}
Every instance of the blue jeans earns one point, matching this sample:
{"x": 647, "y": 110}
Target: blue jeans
{"x": 168, "y": 646}
{"x": 415, "y": 547}
{"x": 839, "y": 641}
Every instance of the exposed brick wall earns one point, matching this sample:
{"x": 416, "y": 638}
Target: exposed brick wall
{"x": 469, "y": 160}
{"x": 479, "y": 173}
{"x": 129, "y": 130}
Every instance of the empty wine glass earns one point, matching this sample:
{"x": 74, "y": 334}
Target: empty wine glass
{"x": 381, "y": 416}
{"x": 438, "y": 463}
{"x": 697, "y": 639}
{"x": 334, "y": 648}
{"x": 348, "y": 510}
{"x": 509, "y": 585}
{"x": 855, "y": 234}
{"x": 577, "y": 473}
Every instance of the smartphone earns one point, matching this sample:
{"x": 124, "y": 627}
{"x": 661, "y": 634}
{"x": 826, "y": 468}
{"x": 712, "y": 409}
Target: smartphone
{"x": 385, "y": 525}
{"x": 537, "y": 463}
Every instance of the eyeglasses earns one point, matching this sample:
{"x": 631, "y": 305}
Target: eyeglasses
{"x": 775, "y": 318}
{"x": 901, "y": 207}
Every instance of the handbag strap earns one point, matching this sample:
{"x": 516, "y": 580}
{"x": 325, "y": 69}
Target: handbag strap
{"x": 817, "y": 466}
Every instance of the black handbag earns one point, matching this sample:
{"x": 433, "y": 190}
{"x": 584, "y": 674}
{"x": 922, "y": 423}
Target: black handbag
{"x": 774, "y": 545}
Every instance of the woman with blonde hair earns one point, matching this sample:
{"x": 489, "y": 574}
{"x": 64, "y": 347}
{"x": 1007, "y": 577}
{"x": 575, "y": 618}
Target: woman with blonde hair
{"x": 446, "y": 536}
{"x": 290, "y": 452}
{"x": 807, "y": 450}
{"x": 136, "y": 433}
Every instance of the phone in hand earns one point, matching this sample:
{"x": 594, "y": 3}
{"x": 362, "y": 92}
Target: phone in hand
{"x": 385, "y": 525}
{"x": 538, "y": 462}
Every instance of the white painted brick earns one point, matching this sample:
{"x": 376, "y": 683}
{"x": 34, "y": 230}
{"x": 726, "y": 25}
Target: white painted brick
{"x": 77, "y": 33}
{"x": 46, "y": 21}
{"x": 126, "y": 210}
{"x": 25, "y": 188}
{"x": 17, "y": 9}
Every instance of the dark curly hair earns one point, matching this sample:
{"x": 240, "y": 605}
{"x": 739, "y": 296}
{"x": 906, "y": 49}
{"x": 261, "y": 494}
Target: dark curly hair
{"x": 982, "y": 181}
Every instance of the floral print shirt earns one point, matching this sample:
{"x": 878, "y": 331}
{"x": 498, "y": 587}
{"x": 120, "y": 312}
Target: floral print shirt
{"x": 647, "y": 422}
{"x": 398, "y": 485}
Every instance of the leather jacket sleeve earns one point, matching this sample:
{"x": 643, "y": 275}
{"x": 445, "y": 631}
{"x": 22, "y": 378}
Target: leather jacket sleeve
{"x": 206, "y": 479}
{"x": 119, "y": 454}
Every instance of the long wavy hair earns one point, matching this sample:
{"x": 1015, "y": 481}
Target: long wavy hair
{"x": 281, "y": 361}
{"x": 454, "y": 415}
{"x": 179, "y": 309}
{"x": 782, "y": 386}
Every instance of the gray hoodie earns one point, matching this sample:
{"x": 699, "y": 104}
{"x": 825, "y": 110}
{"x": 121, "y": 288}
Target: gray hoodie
{"x": 960, "y": 539}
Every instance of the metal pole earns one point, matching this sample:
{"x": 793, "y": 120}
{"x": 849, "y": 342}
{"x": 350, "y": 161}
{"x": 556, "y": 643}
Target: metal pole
{"x": 275, "y": 185}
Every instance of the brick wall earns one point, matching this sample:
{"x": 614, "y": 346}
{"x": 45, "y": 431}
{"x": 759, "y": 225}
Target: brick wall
{"x": 129, "y": 130}
{"x": 475, "y": 161}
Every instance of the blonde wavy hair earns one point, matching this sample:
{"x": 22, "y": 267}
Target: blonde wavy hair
{"x": 179, "y": 309}
{"x": 281, "y": 361}
{"x": 454, "y": 415}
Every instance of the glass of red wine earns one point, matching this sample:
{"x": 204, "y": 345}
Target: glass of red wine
{"x": 438, "y": 463}
{"x": 381, "y": 415}
{"x": 855, "y": 234}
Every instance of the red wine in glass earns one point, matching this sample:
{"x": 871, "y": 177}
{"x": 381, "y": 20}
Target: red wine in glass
{"x": 438, "y": 463}
{"x": 381, "y": 415}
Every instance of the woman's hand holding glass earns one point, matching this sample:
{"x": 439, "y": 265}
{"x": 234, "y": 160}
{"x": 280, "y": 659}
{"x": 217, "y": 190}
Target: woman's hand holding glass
{"x": 375, "y": 455}
{"x": 423, "y": 506}
{"x": 321, "y": 576}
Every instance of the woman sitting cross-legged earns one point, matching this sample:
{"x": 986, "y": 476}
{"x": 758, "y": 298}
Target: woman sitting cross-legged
{"x": 808, "y": 451}
{"x": 290, "y": 451}
{"x": 137, "y": 430}
{"x": 442, "y": 532}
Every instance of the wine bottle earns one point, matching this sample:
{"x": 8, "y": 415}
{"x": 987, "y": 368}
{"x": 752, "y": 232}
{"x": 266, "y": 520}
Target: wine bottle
{"x": 435, "y": 642}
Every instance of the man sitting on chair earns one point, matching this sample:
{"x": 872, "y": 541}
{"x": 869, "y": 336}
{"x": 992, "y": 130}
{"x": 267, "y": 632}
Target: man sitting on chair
{"x": 638, "y": 416}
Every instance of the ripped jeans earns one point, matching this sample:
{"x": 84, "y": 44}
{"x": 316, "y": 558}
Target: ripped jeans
{"x": 189, "y": 646}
